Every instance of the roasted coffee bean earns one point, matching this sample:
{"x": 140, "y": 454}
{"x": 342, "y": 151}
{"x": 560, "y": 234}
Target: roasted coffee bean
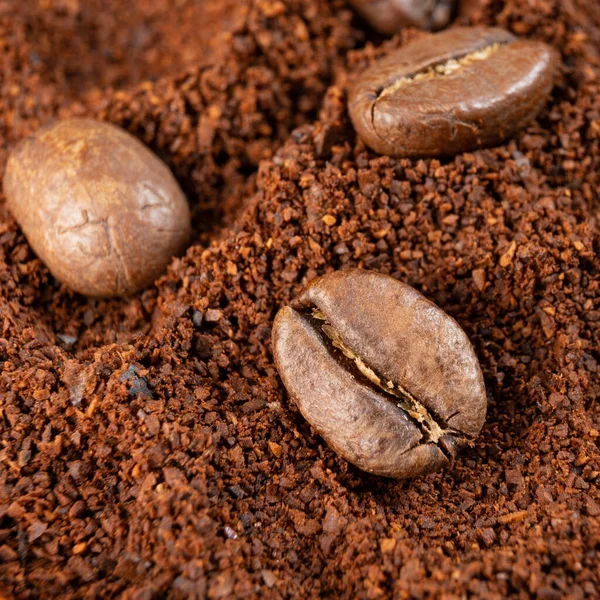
{"x": 388, "y": 379}
{"x": 100, "y": 209}
{"x": 389, "y": 16}
{"x": 452, "y": 92}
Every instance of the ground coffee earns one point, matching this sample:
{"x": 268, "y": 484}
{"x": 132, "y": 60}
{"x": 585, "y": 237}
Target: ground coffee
{"x": 147, "y": 444}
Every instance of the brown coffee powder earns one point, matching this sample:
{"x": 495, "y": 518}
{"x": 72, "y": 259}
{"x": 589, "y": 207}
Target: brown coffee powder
{"x": 148, "y": 448}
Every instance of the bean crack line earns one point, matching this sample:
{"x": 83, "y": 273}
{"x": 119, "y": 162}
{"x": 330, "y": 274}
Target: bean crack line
{"x": 430, "y": 428}
{"x": 442, "y": 69}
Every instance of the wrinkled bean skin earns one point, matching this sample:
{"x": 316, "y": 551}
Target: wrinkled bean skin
{"x": 389, "y": 16}
{"x": 98, "y": 207}
{"x": 403, "y": 338}
{"x": 478, "y": 105}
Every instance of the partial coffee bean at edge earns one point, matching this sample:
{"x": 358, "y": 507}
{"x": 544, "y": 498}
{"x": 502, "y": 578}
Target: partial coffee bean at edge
{"x": 101, "y": 210}
{"x": 388, "y": 379}
{"x": 452, "y": 92}
{"x": 389, "y": 16}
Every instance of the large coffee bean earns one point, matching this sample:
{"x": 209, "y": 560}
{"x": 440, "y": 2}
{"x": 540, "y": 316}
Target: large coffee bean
{"x": 452, "y": 92}
{"x": 388, "y": 379}
{"x": 100, "y": 209}
{"x": 389, "y": 16}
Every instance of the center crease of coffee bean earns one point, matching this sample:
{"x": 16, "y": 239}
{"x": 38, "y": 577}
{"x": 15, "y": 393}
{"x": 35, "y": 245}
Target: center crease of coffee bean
{"x": 429, "y": 427}
{"x": 442, "y": 69}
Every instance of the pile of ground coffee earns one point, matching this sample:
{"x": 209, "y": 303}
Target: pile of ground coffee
{"x": 148, "y": 447}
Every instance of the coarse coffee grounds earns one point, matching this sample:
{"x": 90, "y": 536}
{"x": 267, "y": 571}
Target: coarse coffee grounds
{"x": 148, "y": 448}
{"x": 100, "y": 43}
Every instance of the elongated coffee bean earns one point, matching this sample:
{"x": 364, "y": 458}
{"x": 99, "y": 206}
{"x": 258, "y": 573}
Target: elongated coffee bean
{"x": 452, "y": 92}
{"x": 99, "y": 208}
{"x": 389, "y": 16}
{"x": 388, "y": 379}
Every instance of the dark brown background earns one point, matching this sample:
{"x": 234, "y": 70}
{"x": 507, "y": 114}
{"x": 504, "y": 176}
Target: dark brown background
{"x": 147, "y": 447}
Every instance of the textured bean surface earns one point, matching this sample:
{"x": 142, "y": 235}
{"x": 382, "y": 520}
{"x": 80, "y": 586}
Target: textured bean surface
{"x": 463, "y": 89}
{"x": 385, "y": 376}
{"x": 103, "y": 212}
{"x": 389, "y": 16}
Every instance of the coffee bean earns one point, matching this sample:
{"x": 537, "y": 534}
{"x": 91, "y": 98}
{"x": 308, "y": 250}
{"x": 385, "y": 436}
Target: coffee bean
{"x": 100, "y": 209}
{"x": 388, "y": 379}
{"x": 452, "y": 92}
{"x": 389, "y": 16}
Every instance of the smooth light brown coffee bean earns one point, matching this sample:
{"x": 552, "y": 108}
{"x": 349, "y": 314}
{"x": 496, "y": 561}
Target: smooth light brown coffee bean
{"x": 389, "y": 16}
{"x": 388, "y": 379}
{"x": 452, "y": 92}
{"x": 99, "y": 208}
